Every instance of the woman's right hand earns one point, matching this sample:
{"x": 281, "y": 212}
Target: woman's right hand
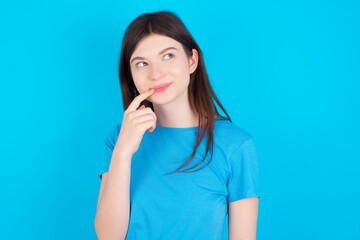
{"x": 134, "y": 124}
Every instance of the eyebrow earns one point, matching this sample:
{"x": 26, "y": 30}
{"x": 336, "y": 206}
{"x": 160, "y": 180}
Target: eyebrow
{"x": 162, "y": 51}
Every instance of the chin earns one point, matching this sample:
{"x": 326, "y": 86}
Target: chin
{"x": 161, "y": 99}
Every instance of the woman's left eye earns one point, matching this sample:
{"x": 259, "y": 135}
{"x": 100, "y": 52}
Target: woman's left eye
{"x": 170, "y": 54}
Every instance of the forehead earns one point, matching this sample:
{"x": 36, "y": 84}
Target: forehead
{"x": 153, "y": 44}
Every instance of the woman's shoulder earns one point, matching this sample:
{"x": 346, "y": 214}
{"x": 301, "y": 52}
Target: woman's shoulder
{"x": 230, "y": 134}
{"x": 113, "y": 132}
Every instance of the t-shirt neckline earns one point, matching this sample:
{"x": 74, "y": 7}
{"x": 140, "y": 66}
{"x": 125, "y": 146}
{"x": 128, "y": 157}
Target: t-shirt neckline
{"x": 180, "y": 129}
{"x": 175, "y": 129}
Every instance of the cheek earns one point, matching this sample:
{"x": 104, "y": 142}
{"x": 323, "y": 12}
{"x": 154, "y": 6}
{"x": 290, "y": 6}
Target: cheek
{"x": 139, "y": 82}
{"x": 180, "y": 69}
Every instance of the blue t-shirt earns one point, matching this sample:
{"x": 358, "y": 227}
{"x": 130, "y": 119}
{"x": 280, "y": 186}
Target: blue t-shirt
{"x": 185, "y": 205}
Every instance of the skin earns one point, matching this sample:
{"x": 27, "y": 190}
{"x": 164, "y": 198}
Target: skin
{"x": 243, "y": 216}
{"x": 171, "y": 106}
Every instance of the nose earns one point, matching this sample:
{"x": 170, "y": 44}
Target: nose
{"x": 156, "y": 72}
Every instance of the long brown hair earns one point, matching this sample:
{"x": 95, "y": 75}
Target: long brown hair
{"x": 200, "y": 91}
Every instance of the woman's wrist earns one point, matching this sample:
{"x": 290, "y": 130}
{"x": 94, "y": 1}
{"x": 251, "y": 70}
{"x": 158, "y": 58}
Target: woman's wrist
{"x": 122, "y": 153}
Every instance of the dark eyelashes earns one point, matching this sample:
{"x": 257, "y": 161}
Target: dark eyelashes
{"x": 171, "y": 56}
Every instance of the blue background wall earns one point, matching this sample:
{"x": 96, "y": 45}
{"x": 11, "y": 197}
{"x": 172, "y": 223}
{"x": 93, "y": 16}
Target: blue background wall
{"x": 286, "y": 71}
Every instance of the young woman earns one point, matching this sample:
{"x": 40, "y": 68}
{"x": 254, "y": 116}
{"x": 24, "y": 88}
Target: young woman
{"x": 170, "y": 122}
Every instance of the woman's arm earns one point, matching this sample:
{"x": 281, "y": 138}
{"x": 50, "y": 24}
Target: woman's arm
{"x": 113, "y": 210}
{"x": 243, "y": 219}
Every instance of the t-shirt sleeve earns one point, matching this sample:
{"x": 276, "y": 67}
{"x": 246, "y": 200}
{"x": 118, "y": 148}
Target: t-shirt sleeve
{"x": 109, "y": 144}
{"x": 244, "y": 172}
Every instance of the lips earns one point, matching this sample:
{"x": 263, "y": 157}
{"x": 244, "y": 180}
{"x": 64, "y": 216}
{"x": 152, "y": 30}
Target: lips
{"x": 161, "y": 85}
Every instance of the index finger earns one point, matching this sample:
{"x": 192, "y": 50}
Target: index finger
{"x": 138, "y": 99}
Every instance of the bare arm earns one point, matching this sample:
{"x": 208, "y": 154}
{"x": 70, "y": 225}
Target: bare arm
{"x": 243, "y": 219}
{"x": 113, "y": 209}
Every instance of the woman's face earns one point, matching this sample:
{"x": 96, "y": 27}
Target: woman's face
{"x": 159, "y": 60}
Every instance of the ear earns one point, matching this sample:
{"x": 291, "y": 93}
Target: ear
{"x": 193, "y": 60}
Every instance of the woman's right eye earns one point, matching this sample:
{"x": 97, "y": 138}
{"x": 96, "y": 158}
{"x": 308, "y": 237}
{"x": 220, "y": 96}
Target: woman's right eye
{"x": 139, "y": 63}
